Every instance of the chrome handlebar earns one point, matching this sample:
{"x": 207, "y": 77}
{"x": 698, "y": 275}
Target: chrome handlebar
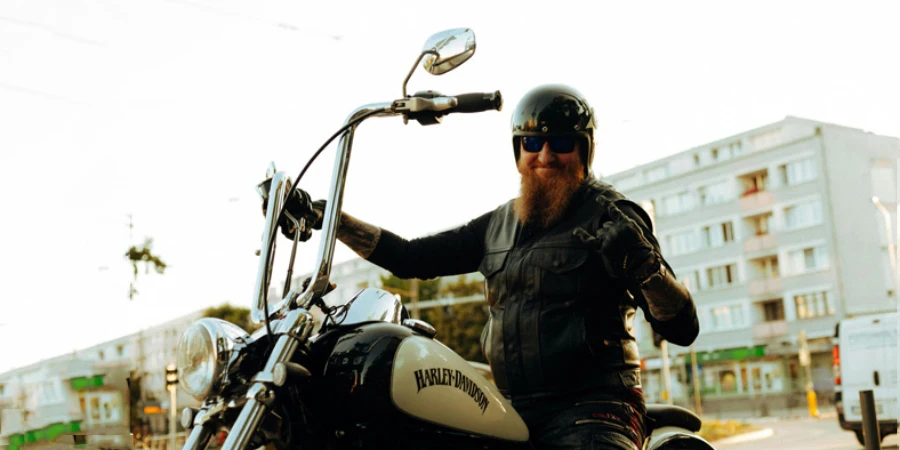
{"x": 298, "y": 324}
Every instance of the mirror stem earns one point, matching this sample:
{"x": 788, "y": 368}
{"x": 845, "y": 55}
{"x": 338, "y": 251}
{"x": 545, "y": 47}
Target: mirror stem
{"x": 408, "y": 76}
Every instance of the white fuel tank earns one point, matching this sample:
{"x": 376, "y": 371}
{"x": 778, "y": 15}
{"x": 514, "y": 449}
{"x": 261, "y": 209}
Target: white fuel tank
{"x": 433, "y": 383}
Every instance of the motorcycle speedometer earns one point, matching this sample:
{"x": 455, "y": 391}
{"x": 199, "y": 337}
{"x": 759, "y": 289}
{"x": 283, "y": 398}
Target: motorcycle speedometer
{"x": 197, "y": 361}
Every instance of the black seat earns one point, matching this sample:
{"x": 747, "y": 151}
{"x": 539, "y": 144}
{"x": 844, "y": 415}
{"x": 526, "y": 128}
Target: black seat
{"x": 662, "y": 415}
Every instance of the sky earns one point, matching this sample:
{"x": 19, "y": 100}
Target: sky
{"x": 169, "y": 111}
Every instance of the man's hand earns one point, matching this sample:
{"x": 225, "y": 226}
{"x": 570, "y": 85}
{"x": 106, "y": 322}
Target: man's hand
{"x": 625, "y": 251}
{"x": 299, "y": 206}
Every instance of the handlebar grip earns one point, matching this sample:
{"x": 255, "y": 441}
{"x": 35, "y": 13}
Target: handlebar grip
{"x": 478, "y": 102}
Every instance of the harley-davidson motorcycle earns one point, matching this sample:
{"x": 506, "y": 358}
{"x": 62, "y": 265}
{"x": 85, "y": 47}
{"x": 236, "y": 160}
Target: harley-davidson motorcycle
{"x": 367, "y": 375}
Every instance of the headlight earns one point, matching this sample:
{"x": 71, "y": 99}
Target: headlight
{"x": 206, "y": 349}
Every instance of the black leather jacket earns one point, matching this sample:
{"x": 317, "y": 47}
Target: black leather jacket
{"x": 558, "y": 322}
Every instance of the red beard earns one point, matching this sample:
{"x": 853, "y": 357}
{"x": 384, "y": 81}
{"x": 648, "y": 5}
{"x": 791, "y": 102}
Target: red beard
{"x": 544, "y": 199}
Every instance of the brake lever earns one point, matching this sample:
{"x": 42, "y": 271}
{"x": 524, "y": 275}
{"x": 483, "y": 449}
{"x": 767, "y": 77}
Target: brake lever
{"x": 425, "y": 107}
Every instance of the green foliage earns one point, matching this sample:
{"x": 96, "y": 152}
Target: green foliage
{"x": 237, "y": 315}
{"x": 458, "y": 326}
{"x": 144, "y": 255}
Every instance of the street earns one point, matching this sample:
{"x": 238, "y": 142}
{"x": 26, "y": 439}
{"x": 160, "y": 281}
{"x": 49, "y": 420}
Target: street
{"x": 806, "y": 434}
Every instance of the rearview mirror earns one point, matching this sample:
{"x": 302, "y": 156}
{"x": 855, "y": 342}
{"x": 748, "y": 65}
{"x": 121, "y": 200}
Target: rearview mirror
{"x": 453, "y": 47}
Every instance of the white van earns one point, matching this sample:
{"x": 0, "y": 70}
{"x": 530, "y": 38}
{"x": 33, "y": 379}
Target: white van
{"x": 865, "y": 358}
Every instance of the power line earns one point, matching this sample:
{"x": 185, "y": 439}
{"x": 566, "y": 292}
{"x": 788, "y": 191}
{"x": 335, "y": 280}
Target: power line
{"x": 56, "y": 32}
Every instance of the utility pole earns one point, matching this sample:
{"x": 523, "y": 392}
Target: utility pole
{"x": 805, "y": 362}
{"x": 695, "y": 378}
{"x": 414, "y": 297}
{"x": 667, "y": 382}
{"x": 171, "y": 385}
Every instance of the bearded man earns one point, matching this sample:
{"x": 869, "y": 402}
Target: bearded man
{"x": 566, "y": 265}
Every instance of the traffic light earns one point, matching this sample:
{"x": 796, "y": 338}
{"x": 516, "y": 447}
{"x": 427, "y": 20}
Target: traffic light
{"x": 171, "y": 376}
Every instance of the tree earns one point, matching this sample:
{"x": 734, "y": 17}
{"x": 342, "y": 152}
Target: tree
{"x": 458, "y": 326}
{"x": 144, "y": 255}
{"x": 237, "y": 315}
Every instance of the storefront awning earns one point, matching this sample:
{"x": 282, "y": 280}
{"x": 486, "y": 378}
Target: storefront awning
{"x": 49, "y": 433}
{"x": 79, "y": 383}
{"x": 731, "y": 354}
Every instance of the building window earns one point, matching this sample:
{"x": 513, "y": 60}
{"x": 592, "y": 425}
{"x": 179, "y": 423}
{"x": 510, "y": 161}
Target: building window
{"x": 120, "y": 350}
{"x": 773, "y": 310}
{"x": 762, "y": 224}
{"x": 803, "y": 215}
{"x": 682, "y": 243}
{"x": 726, "y": 317}
{"x": 691, "y": 281}
{"x": 95, "y": 409}
{"x": 814, "y": 304}
{"x": 717, "y": 235}
{"x": 2, "y": 390}
{"x": 629, "y": 183}
{"x": 736, "y": 148}
{"x": 766, "y": 139}
{"x": 696, "y": 159}
{"x": 100, "y": 355}
{"x": 656, "y": 173}
{"x": 808, "y": 260}
{"x": 721, "y": 276}
{"x": 753, "y": 183}
{"x": 714, "y": 193}
{"x": 678, "y": 203}
{"x": 797, "y": 172}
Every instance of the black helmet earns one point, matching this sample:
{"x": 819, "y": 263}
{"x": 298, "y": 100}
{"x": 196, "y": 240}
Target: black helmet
{"x": 555, "y": 110}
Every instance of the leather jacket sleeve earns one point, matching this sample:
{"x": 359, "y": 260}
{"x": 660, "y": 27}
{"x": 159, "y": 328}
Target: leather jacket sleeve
{"x": 452, "y": 252}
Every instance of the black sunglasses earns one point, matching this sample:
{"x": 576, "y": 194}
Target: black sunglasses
{"x": 558, "y": 144}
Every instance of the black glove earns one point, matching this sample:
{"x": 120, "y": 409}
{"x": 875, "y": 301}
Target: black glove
{"x": 299, "y": 206}
{"x": 318, "y": 212}
{"x": 625, "y": 251}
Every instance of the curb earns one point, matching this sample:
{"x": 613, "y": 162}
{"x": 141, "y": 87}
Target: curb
{"x": 746, "y": 437}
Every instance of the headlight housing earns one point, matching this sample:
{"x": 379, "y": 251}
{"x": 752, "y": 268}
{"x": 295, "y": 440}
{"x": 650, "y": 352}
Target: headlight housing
{"x": 206, "y": 350}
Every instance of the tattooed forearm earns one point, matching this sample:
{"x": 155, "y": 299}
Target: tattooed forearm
{"x": 665, "y": 295}
{"x": 358, "y": 235}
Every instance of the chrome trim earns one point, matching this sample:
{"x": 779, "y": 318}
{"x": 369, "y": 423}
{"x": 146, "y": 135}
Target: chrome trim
{"x": 187, "y": 417}
{"x": 197, "y": 439}
{"x": 452, "y": 47}
{"x": 277, "y": 194}
{"x": 421, "y": 327}
{"x": 245, "y": 425}
{"x": 416, "y": 64}
{"x": 660, "y": 439}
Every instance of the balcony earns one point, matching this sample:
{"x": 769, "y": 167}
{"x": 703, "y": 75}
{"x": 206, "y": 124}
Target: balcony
{"x": 760, "y": 243}
{"x": 765, "y": 287}
{"x": 768, "y": 330}
{"x": 756, "y": 200}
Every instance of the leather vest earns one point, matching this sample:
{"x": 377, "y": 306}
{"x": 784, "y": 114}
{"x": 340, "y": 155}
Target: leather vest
{"x": 557, "y": 321}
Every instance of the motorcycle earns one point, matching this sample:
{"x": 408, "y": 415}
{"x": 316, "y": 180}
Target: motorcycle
{"x": 367, "y": 375}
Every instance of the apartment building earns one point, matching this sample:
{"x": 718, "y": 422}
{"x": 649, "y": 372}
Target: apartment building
{"x": 86, "y": 391}
{"x": 774, "y": 231}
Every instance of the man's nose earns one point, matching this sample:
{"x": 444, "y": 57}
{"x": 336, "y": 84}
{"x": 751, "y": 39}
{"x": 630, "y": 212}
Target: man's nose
{"x": 546, "y": 155}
